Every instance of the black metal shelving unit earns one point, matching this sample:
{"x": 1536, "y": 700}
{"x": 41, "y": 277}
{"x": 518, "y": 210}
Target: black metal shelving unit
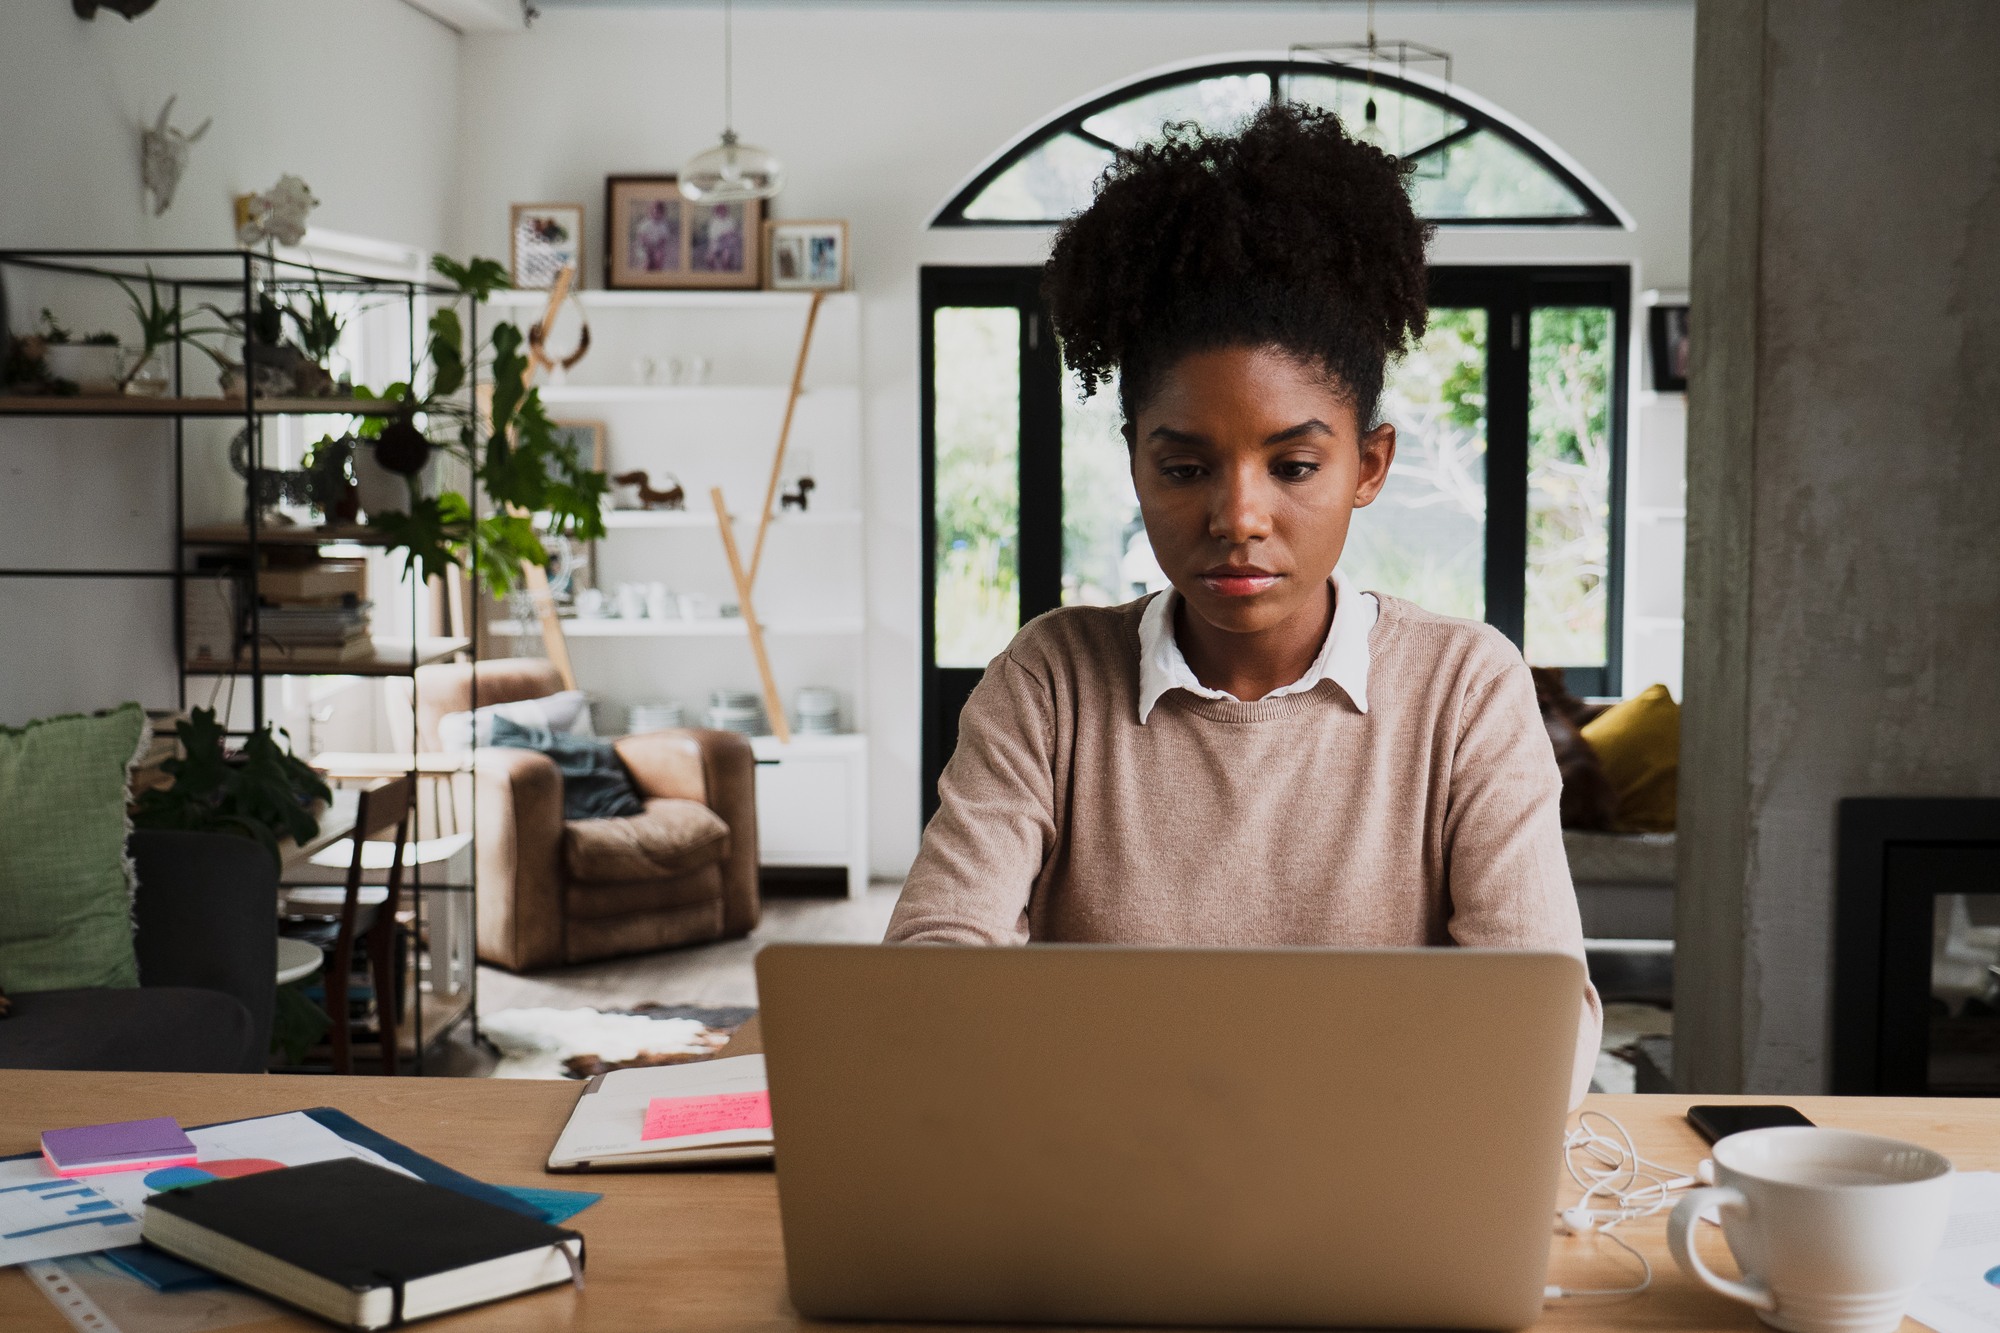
{"x": 217, "y": 276}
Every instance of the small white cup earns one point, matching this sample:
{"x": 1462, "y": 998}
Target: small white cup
{"x": 698, "y": 606}
{"x": 660, "y": 602}
{"x": 631, "y": 601}
{"x": 1833, "y": 1229}
{"x": 590, "y": 603}
{"x": 698, "y": 368}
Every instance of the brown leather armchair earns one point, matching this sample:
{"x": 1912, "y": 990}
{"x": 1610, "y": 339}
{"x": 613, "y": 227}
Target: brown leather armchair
{"x": 553, "y": 892}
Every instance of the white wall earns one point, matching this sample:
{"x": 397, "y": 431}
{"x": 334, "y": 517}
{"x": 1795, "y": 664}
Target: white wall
{"x": 358, "y": 97}
{"x": 881, "y": 110}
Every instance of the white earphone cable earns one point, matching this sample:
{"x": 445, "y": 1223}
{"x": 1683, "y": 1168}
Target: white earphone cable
{"x": 1612, "y": 1168}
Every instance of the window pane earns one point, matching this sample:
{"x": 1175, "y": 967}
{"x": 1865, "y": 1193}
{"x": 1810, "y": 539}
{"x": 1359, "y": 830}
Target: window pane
{"x": 1107, "y": 559}
{"x": 1050, "y": 183}
{"x": 1214, "y": 104}
{"x": 1485, "y": 176}
{"x": 978, "y": 381}
{"x": 1424, "y": 538}
{"x": 1407, "y": 123}
{"x": 1569, "y": 485}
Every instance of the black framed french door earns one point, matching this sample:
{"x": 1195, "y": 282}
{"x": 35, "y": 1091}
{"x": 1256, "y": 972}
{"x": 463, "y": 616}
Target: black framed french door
{"x": 1506, "y": 504}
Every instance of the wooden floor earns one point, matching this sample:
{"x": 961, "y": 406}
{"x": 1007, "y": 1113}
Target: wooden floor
{"x": 703, "y": 974}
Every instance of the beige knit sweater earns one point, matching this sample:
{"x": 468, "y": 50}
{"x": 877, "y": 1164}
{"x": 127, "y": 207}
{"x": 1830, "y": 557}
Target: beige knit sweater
{"x": 1430, "y": 819}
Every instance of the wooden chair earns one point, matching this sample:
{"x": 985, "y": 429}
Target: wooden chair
{"x": 384, "y": 803}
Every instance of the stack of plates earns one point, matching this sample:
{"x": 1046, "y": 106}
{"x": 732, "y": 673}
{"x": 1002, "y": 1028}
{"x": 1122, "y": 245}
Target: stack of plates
{"x": 819, "y": 711}
{"x": 642, "y": 718}
{"x": 741, "y": 711}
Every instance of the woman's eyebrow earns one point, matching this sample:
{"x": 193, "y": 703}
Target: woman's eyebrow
{"x": 1313, "y": 426}
{"x": 1310, "y": 427}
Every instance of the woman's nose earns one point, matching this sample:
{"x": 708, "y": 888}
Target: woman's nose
{"x": 1241, "y": 512}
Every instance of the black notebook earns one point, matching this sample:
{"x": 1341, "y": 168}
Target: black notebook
{"x": 358, "y": 1244}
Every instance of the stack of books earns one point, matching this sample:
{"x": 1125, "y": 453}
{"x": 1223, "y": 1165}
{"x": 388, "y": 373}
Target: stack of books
{"x": 321, "y": 630}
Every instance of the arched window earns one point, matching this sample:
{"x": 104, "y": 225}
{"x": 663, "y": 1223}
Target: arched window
{"x": 1477, "y": 166}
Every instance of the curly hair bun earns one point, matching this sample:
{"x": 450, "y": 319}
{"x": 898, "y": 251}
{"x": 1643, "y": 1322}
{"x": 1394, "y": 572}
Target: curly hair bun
{"x": 1287, "y": 234}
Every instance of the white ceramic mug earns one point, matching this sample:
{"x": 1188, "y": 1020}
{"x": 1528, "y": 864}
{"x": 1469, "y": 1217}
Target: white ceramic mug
{"x": 660, "y": 603}
{"x": 631, "y": 601}
{"x": 1833, "y": 1229}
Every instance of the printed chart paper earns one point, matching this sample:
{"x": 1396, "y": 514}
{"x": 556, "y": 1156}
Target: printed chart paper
{"x": 36, "y": 1217}
{"x": 1962, "y": 1293}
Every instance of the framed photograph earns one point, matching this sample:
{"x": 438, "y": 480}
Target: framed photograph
{"x": 545, "y": 238}
{"x": 589, "y": 439}
{"x": 656, "y": 238}
{"x": 1669, "y": 330}
{"x": 805, "y": 256}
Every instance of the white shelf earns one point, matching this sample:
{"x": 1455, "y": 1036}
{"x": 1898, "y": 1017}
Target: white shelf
{"x": 679, "y": 518}
{"x": 667, "y": 300}
{"x": 729, "y": 627}
{"x": 680, "y": 393}
{"x": 847, "y": 742}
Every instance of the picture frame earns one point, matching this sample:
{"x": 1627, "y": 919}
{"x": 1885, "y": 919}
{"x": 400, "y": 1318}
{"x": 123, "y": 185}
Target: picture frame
{"x": 806, "y": 255}
{"x": 654, "y": 238}
{"x": 542, "y": 239}
{"x": 1667, "y": 327}
{"x": 590, "y": 436}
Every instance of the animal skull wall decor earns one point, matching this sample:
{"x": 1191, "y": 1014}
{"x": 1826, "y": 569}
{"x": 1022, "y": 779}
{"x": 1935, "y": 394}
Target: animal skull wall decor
{"x": 163, "y": 156}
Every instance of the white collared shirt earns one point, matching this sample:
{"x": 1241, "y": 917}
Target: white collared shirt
{"x": 1343, "y": 658}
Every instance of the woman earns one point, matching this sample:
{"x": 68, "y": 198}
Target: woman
{"x": 1264, "y": 755}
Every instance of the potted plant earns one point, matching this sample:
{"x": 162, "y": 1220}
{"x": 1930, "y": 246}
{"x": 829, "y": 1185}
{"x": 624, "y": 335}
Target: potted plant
{"x": 90, "y": 363}
{"x": 262, "y": 791}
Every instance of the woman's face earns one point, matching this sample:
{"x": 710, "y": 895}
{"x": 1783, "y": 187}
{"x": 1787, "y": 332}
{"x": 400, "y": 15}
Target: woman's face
{"x": 1248, "y": 469}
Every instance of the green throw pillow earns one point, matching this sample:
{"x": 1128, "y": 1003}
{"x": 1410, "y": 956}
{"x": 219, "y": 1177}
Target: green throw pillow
{"x": 65, "y": 885}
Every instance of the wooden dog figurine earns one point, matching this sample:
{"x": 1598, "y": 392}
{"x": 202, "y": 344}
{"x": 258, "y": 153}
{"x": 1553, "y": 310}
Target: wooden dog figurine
{"x": 650, "y": 498}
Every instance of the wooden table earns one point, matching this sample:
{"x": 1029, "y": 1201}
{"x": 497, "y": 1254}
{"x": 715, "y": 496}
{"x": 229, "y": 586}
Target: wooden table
{"x": 700, "y": 1250}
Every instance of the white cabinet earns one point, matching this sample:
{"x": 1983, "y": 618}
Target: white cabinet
{"x": 812, "y": 804}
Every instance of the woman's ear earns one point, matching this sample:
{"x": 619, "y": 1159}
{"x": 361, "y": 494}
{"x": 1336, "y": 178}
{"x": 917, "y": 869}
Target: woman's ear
{"x": 1378, "y": 451}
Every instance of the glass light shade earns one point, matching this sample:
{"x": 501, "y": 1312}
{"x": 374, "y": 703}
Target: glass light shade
{"x": 732, "y": 171}
{"x": 1371, "y": 131}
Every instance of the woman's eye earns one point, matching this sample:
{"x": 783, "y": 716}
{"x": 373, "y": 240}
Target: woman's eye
{"x": 1295, "y": 471}
{"x": 1181, "y": 472}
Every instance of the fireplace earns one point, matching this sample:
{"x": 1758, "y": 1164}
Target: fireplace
{"x": 1916, "y": 1003}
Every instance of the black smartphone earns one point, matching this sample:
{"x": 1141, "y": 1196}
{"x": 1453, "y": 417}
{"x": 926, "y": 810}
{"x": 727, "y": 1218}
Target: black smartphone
{"x": 1715, "y": 1122}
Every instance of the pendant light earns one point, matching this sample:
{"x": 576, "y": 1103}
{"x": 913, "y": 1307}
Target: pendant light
{"x": 731, "y": 171}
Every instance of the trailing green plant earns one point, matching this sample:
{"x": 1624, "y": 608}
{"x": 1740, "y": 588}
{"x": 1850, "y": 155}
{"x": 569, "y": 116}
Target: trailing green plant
{"x": 261, "y": 792}
{"x": 516, "y": 458}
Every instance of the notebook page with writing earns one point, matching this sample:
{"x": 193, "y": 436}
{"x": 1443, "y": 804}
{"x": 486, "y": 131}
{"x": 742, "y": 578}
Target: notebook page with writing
{"x": 607, "y": 1128}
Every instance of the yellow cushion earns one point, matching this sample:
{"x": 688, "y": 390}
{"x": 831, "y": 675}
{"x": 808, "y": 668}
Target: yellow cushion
{"x": 1638, "y": 743}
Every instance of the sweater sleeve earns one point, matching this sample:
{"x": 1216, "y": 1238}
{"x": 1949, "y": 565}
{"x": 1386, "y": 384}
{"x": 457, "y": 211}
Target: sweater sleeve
{"x": 995, "y": 827}
{"x": 1505, "y": 867}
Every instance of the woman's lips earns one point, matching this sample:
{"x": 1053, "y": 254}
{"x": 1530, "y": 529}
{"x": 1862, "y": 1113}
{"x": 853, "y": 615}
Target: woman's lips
{"x": 1238, "y": 582}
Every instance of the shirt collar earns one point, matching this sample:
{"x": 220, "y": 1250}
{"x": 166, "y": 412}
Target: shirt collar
{"x": 1343, "y": 658}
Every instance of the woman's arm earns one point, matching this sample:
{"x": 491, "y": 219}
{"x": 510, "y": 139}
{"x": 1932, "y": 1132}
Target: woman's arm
{"x": 995, "y": 826}
{"x": 1504, "y": 861}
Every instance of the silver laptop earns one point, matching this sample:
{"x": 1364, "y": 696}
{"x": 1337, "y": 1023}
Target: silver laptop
{"x": 1085, "y": 1134}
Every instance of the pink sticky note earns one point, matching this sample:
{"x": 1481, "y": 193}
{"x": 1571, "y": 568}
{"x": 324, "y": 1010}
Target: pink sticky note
{"x": 671, "y": 1117}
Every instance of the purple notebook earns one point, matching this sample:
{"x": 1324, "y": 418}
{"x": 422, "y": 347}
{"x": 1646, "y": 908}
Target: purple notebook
{"x": 128, "y": 1145}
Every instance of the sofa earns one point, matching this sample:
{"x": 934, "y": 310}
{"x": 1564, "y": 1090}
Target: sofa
{"x": 205, "y": 931}
{"x": 554, "y": 892}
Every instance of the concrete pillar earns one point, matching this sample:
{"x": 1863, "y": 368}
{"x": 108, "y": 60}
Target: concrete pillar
{"x": 1843, "y": 573}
